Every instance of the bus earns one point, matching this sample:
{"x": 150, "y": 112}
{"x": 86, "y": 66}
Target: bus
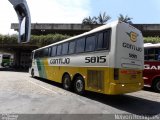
{"x": 151, "y": 74}
{"x": 6, "y": 60}
{"x": 108, "y": 60}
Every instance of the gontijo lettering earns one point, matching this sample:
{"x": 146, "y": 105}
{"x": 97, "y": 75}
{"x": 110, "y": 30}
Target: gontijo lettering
{"x": 60, "y": 61}
{"x": 133, "y": 47}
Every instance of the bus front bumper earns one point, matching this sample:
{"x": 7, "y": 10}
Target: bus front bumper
{"x": 124, "y": 88}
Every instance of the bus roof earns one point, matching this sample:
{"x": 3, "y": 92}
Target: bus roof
{"x": 150, "y": 45}
{"x": 103, "y": 27}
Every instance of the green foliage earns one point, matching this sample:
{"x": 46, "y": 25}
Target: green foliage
{"x": 42, "y": 40}
{"x": 151, "y": 39}
{"x": 125, "y": 19}
{"x": 89, "y": 20}
{"x": 101, "y": 19}
{"x": 7, "y": 39}
{"x": 37, "y": 40}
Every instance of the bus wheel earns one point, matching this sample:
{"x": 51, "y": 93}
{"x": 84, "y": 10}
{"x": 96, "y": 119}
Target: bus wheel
{"x": 156, "y": 85}
{"x": 66, "y": 81}
{"x": 79, "y": 85}
{"x": 32, "y": 73}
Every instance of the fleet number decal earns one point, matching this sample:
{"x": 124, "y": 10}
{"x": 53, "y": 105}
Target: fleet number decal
{"x": 131, "y": 55}
{"x": 95, "y": 59}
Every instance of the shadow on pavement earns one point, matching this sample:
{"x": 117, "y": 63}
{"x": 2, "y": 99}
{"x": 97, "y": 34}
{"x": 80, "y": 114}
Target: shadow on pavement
{"x": 148, "y": 89}
{"x": 128, "y": 103}
{"x": 14, "y": 70}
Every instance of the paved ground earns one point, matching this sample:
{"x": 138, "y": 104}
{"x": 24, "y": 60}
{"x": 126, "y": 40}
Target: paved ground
{"x": 21, "y": 94}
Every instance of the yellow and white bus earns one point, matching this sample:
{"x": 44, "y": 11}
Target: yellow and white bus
{"x": 108, "y": 59}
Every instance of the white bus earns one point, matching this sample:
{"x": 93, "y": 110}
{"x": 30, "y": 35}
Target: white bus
{"x": 108, "y": 59}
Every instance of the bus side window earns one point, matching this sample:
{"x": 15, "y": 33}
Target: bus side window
{"x": 90, "y": 43}
{"x": 65, "y": 48}
{"x": 45, "y": 52}
{"x": 151, "y": 54}
{"x": 103, "y": 40}
{"x": 80, "y": 44}
{"x": 100, "y": 41}
{"x": 36, "y": 55}
{"x": 41, "y": 54}
{"x": 53, "y": 51}
{"x": 157, "y": 53}
{"x": 158, "y": 57}
{"x": 106, "y": 41}
{"x": 59, "y": 50}
{"x": 49, "y": 51}
{"x": 145, "y": 54}
{"x": 72, "y": 47}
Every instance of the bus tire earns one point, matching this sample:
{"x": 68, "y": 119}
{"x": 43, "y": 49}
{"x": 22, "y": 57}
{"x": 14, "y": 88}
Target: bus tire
{"x": 156, "y": 85}
{"x": 32, "y": 73}
{"x": 79, "y": 85}
{"x": 66, "y": 82}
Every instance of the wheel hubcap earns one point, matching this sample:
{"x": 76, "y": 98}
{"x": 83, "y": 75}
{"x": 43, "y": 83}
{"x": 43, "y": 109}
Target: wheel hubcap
{"x": 79, "y": 85}
{"x": 66, "y": 83}
{"x": 32, "y": 73}
{"x": 158, "y": 85}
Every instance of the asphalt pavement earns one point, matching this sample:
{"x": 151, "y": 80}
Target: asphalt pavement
{"x": 21, "y": 94}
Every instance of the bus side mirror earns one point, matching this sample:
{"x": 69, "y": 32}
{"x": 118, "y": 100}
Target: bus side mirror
{"x": 24, "y": 17}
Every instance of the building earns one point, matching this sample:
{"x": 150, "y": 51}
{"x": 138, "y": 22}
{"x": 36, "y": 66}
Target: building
{"x": 148, "y": 30}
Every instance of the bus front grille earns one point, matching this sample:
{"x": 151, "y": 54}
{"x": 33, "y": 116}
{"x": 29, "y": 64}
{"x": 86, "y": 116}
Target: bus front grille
{"x": 95, "y": 79}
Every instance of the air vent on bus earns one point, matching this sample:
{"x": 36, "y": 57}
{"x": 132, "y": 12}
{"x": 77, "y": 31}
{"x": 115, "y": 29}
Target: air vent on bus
{"x": 95, "y": 79}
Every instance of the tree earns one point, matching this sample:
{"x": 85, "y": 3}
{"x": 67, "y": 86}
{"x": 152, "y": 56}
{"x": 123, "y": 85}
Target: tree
{"x": 89, "y": 20}
{"x": 103, "y": 18}
{"x": 125, "y": 19}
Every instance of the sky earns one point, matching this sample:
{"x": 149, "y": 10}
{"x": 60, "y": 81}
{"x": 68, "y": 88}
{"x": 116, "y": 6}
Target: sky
{"x": 73, "y": 11}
